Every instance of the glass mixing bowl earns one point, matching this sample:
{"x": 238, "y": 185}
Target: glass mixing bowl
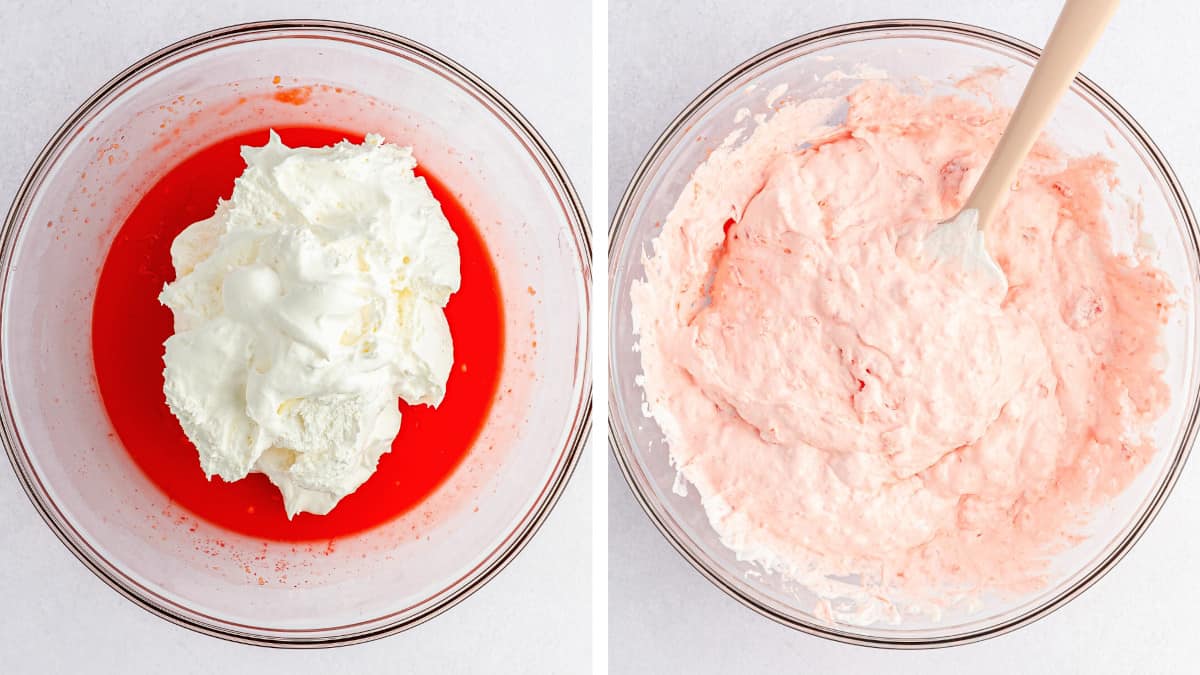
{"x": 55, "y": 238}
{"x": 933, "y": 55}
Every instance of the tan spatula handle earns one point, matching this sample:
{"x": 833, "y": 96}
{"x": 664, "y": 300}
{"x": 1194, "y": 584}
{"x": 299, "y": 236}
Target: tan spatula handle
{"x": 1078, "y": 28}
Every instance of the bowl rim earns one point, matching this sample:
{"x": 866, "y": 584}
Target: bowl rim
{"x": 620, "y": 446}
{"x": 577, "y": 428}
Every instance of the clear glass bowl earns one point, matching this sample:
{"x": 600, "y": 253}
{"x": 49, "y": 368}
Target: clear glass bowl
{"x": 930, "y": 53}
{"x": 78, "y": 192}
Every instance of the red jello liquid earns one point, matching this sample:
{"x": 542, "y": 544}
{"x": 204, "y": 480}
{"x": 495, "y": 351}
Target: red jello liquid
{"x": 129, "y": 327}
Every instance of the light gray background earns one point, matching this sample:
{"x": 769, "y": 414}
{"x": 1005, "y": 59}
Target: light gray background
{"x": 57, "y": 618}
{"x": 663, "y": 616}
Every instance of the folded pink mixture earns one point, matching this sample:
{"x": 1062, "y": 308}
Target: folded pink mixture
{"x": 845, "y": 410}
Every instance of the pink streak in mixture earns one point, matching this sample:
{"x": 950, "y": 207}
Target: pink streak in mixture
{"x": 843, "y": 410}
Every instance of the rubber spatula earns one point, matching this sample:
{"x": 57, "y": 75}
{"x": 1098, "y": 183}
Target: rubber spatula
{"x": 961, "y": 238}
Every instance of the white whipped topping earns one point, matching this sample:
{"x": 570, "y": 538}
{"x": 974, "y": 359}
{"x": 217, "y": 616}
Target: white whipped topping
{"x": 305, "y": 307}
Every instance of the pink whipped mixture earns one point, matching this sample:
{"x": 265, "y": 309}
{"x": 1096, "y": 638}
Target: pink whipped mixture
{"x": 844, "y": 410}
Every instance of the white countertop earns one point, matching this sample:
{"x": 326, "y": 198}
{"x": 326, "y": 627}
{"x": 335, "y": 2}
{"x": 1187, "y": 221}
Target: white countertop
{"x": 665, "y": 617}
{"x": 534, "y": 617}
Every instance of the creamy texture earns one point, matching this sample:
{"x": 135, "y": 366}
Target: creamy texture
{"x": 305, "y": 308}
{"x": 844, "y": 407}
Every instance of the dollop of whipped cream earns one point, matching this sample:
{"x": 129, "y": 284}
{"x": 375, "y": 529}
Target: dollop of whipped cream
{"x": 881, "y": 431}
{"x": 305, "y": 308}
